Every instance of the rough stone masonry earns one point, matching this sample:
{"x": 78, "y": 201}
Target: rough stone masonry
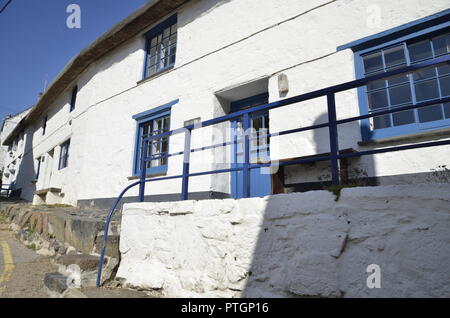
{"x": 292, "y": 245}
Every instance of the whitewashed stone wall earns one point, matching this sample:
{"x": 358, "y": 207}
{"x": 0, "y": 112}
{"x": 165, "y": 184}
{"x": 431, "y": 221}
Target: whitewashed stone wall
{"x": 292, "y": 245}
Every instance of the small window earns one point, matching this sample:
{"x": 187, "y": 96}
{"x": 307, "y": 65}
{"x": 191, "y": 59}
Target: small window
{"x": 408, "y": 89}
{"x": 38, "y": 171}
{"x": 151, "y": 123}
{"x": 161, "y": 47}
{"x": 15, "y": 143}
{"x": 158, "y": 147}
{"x": 73, "y": 98}
{"x": 44, "y": 126}
{"x": 64, "y": 155}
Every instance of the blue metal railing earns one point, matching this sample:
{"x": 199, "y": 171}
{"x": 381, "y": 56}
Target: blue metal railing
{"x": 246, "y": 167}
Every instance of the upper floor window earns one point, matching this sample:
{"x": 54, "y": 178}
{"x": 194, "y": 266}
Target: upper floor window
{"x": 64, "y": 155}
{"x": 73, "y": 98}
{"x": 407, "y": 89}
{"x": 161, "y": 47}
{"x": 44, "y": 126}
{"x": 152, "y": 123}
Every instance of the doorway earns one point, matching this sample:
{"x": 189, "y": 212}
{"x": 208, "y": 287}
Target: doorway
{"x": 260, "y": 178}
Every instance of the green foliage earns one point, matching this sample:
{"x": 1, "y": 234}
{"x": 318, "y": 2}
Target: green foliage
{"x": 32, "y": 246}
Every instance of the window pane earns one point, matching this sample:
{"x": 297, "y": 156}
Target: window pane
{"x": 420, "y": 50}
{"x": 152, "y": 60}
{"x": 403, "y": 118}
{"x": 424, "y": 73}
{"x": 173, "y": 29}
{"x": 173, "y": 38}
{"x": 376, "y": 84}
{"x": 380, "y": 122}
{"x": 373, "y": 62}
{"x": 441, "y": 44}
{"x": 400, "y": 95}
{"x": 426, "y": 90}
{"x": 445, "y": 85}
{"x": 166, "y": 33}
{"x": 447, "y": 110}
{"x": 394, "y": 56}
{"x": 152, "y": 70}
{"x": 398, "y": 79}
{"x": 444, "y": 69}
{"x": 153, "y": 42}
{"x": 430, "y": 113}
{"x": 378, "y": 99}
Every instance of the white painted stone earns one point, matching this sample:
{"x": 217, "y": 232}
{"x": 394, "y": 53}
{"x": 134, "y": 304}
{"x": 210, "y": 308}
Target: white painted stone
{"x": 323, "y": 250}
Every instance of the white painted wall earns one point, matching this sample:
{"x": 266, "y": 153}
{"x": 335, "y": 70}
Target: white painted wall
{"x": 292, "y": 245}
{"x": 10, "y": 158}
{"x": 221, "y": 44}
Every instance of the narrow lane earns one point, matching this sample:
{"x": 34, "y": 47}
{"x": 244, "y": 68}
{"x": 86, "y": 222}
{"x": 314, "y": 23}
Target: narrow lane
{"x": 21, "y": 269}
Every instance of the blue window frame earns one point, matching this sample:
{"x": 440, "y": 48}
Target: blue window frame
{"x": 64, "y": 155}
{"x": 406, "y": 89}
{"x": 161, "y": 47}
{"x": 151, "y": 123}
{"x": 73, "y": 98}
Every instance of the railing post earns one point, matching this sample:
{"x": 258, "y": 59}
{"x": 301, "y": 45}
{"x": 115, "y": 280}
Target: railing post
{"x": 143, "y": 171}
{"x": 334, "y": 145}
{"x": 246, "y": 170}
{"x": 186, "y": 165}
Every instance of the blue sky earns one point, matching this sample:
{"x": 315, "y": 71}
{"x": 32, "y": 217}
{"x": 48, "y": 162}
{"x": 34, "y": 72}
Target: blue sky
{"x": 36, "y": 44}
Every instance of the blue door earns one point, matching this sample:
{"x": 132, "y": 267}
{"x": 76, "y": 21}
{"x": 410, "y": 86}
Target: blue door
{"x": 260, "y": 178}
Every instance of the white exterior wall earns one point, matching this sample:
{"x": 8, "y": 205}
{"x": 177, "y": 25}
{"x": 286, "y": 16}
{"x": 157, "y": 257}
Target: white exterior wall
{"x": 10, "y": 161}
{"x": 221, "y": 44}
{"x": 292, "y": 245}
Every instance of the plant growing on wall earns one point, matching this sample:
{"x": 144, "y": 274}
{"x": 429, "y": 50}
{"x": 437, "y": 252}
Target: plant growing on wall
{"x": 440, "y": 175}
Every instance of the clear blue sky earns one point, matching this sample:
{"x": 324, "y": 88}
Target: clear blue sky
{"x": 36, "y": 44}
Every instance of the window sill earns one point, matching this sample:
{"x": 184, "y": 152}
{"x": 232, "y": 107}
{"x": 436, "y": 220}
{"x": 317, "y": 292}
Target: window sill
{"x": 149, "y": 175}
{"x": 156, "y": 75}
{"x": 411, "y": 137}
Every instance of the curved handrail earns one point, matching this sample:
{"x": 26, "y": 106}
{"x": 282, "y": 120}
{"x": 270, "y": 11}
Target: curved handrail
{"x": 108, "y": 221}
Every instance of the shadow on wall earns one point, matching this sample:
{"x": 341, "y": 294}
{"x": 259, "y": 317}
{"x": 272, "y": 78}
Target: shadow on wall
{"x": 26, "y": 173}
{"x": 203, "y": 8}
{"x": 357, "y": 171}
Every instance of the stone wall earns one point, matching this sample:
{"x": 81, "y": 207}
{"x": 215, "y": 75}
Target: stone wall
{"x": 292, "y": 245}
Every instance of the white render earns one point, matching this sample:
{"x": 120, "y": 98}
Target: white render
{"x": 11, "y": 156}
{"x": 292, "y": 245}
{"x": 261, "y": 40}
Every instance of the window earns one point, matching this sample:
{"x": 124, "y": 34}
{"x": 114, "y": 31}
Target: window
{"x": 15, "y": 143}
{"x": 406, "y": 89}
{"x": 152, "y": 123}
{"x": 44, "y": 126}
{"x": 161, "y": 47}
{"x": 39, "y": 160}
{"x": 64, "y": 155}
{"x": 73, "y": 98}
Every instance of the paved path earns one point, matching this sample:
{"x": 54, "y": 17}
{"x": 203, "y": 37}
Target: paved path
{"x": 21, "y": 269}
{"x": 22, "y": 273}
